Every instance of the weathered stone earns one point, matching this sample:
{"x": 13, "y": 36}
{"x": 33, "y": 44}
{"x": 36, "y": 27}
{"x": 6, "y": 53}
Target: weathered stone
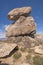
{"x": 23, "y": 26}
{"x": 29, "y": 42}
{"x": 39, "y": 38}
{"x": 6, "y": 49}
{"x": 16, "y": 13}
{"x": 25, "y": 40}
{"x": 38, "y": 49}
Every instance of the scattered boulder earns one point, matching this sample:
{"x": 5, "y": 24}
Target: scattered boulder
{"x": 38, "y": 50}
{"x": 16, "y": 13}
{"x": 6, "y": 49}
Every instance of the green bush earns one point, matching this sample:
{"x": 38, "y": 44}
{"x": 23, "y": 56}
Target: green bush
{"x": 17, "y": 55}
{"x": 37, "y": 60}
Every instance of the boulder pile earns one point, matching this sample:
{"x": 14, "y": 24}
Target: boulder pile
{"x": 24, "y": 24}
{"x": 23, "y": 28}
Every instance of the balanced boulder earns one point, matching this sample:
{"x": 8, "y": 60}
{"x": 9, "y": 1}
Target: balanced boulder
{"x": 16, "y": 13}
{"x": 23, "y": 29}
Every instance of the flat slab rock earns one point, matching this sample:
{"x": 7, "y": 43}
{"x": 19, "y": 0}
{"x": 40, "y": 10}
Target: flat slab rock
{"x": 6, "y": 48}
{"x": 17, "y": 12}
{"x": 39, "y": 50}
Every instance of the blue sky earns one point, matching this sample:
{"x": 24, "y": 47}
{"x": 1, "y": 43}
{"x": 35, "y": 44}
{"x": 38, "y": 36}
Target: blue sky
{"x": 7, "y": 5}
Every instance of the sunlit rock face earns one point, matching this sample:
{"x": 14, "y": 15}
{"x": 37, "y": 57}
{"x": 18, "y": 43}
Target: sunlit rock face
{"x": 39, "y": 38}
{"x": 24, "y": 25}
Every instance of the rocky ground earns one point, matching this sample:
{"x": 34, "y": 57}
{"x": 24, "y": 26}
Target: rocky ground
{"x": 22, "y": 45}
{"x": 21, "y": 56}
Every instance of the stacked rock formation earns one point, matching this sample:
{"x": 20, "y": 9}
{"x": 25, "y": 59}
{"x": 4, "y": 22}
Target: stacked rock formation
{"x": 23, "y": 28}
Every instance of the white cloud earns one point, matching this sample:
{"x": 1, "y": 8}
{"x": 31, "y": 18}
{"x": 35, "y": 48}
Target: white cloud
{"x": 5, "y": 26}
{"x": 2, "y": 34}
{"x": 2, "y": 31}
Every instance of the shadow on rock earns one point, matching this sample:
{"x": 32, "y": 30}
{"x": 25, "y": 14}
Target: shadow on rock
{"x": 4, "y": 64}
{"x": 11, "y": 53}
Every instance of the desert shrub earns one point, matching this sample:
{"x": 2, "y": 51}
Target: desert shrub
{"x": 37, "y": 60}
{"x": 22, "y": 49}
{"x": 17, "y": 55}
{"x": 28, "y": 58}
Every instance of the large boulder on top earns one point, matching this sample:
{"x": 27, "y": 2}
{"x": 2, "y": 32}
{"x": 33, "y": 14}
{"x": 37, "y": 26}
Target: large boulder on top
{"x": 6, "y": 49}
{"x": 23, "y": 26}
{"x": 16, "y": 13}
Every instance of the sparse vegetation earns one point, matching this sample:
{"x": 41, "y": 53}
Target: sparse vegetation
{"x": 30, "y": 50}
{"x": 37, "y": 60}
{"x": 17, "y": 55}
{"x": 22, "y": 49}
{"x": 28, "y": 58}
